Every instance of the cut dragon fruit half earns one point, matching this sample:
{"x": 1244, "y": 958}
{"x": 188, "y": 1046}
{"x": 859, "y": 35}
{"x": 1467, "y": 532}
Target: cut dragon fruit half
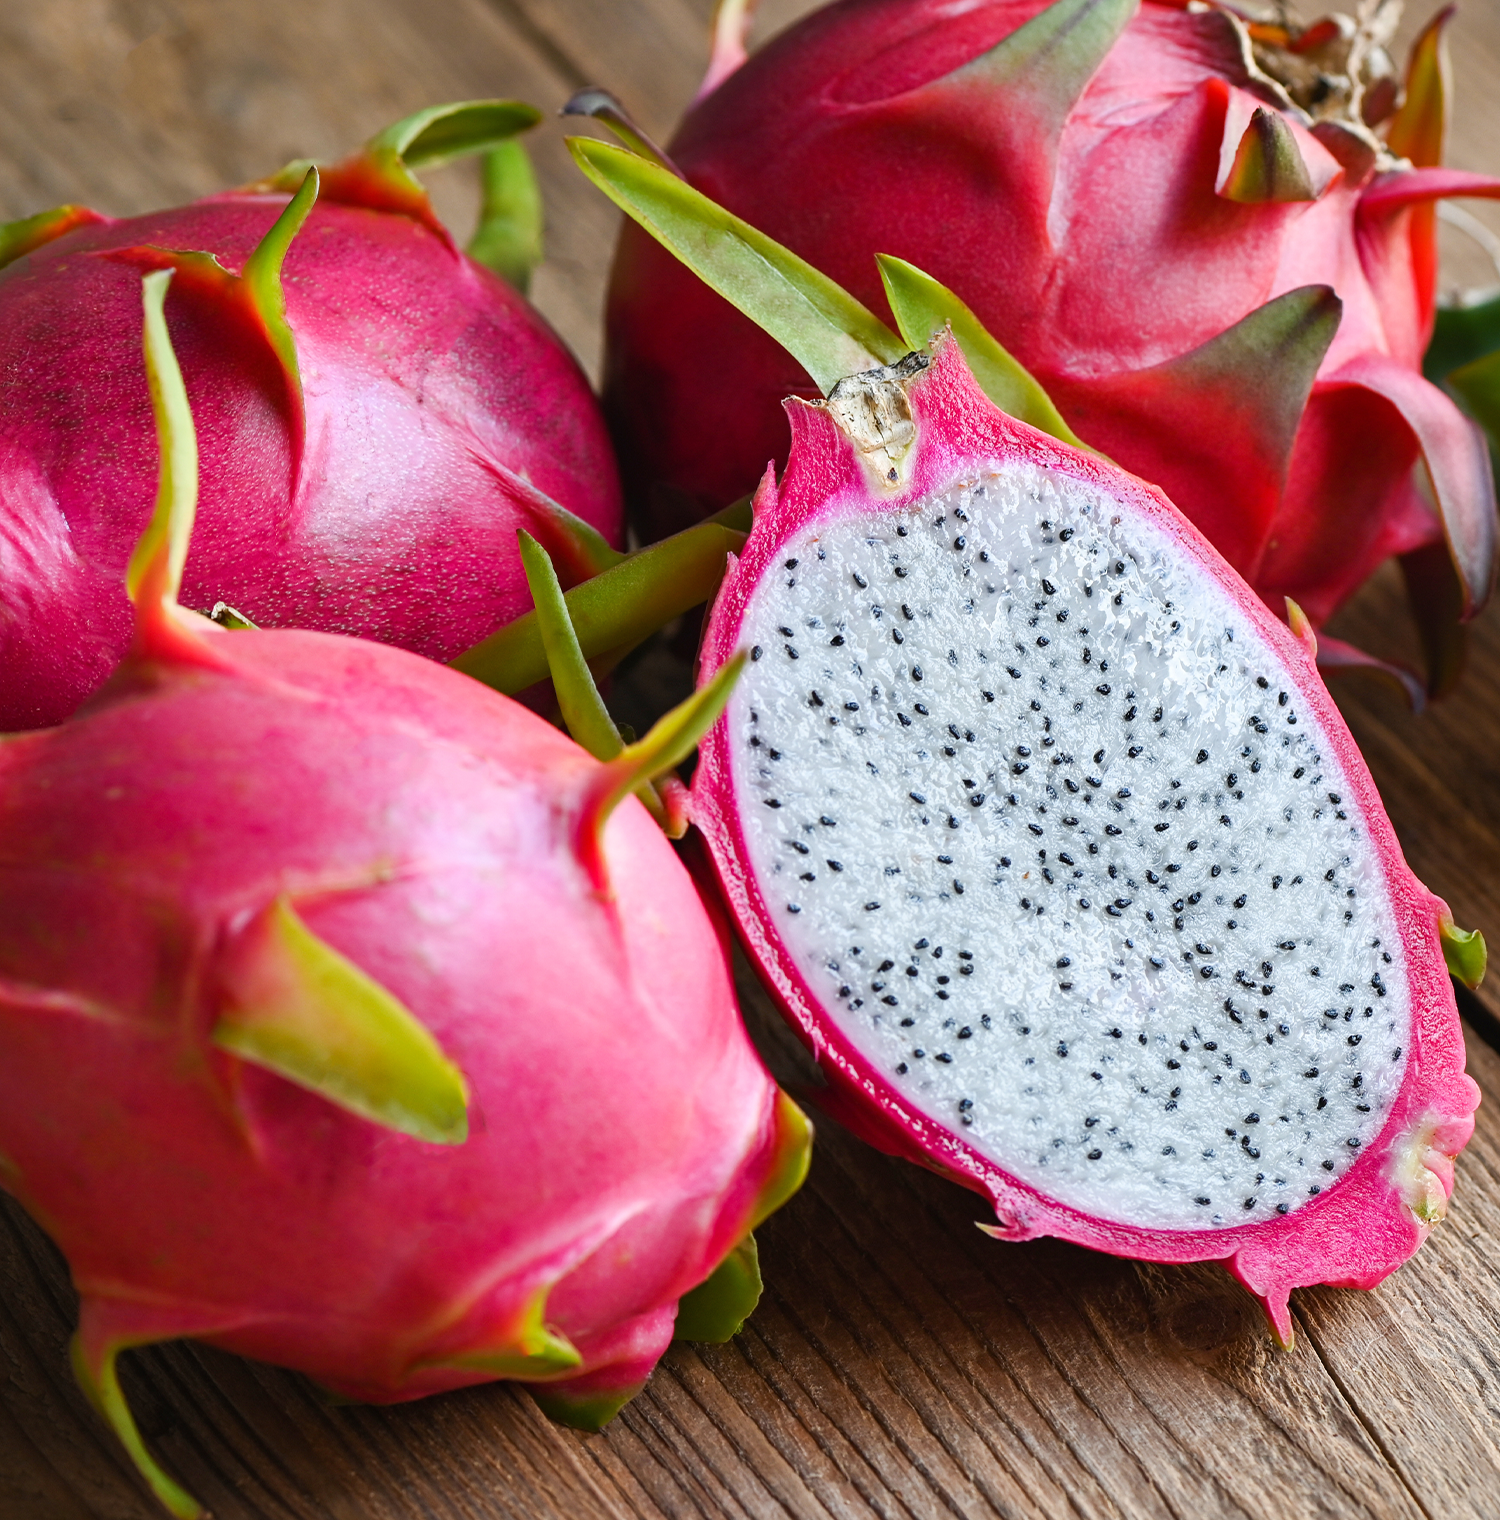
{"x": 1045, "y": 832}
{"x": 1054, "y": 848}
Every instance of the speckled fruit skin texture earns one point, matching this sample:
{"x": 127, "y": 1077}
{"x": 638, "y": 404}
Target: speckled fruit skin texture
{"x": 1094, "y": 249}
{"x": 620, "y": 1124}
{"x": 1360, "y": 1229}
{"x": 433, "y": 393}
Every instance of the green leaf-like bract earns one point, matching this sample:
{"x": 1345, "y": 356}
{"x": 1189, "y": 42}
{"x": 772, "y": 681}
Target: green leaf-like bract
{"x": 618, "y": 608}
{"x": 100, "y": 1381}
{"x": 532, "y": 1350}
{"x": 262, "y": 277}
{"x": 1045, "y": 65}
{"x": 719, "y": 1306}
{"x": 442, "y": 133}
{"x": 300, "y": 1009}
{"x": 671, "y": 739}
{"x": 582, "y": 1411}
{"x": 508, "y": 238}
{"x": 17, "y": 239}
{"x": 924, "y": 308}
{"x": 818, "y": 322}
{"x": 1419, "y": 129}
{"x": 1268, "y": 165}
{"x": 582, "y": 707}
{"x": 155, "y": 569}
{"x": 1464, "y": 952}
{"x": 604, "y": 108}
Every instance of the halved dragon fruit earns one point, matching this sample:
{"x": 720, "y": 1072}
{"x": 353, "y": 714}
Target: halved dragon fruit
{"x": 353, "y": 1018}
{"x": 379, "y": 414}
{"x": 1123, "y": 191}
{"x": 1046, "y": 834}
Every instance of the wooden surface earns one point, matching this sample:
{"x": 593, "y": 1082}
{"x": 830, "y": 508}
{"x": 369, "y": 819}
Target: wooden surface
{"x": 901, "y": 1364}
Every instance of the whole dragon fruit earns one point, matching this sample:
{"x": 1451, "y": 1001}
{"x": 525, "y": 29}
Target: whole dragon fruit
{"x": 379, "y": 414}
{"x": 1046, "y": 834}
{"x": 1120, "y": 190}
{"x": 432, "y": 1078}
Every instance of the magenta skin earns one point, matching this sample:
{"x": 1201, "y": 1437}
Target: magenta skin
{"x": 621, "y": 1126}
{"x": 1361, "y": 1228}
{"x": 1096, "y": 251}
{"x": 437, "y": 404}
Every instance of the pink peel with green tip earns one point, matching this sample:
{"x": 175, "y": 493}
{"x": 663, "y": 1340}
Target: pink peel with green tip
{"x": 430, "y": 1078}
{"x": 379, "y": 413}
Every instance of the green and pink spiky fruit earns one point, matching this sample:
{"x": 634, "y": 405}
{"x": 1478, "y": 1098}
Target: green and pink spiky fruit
{"x": 431, "y": 1077}
{"x": 379, "y": 414}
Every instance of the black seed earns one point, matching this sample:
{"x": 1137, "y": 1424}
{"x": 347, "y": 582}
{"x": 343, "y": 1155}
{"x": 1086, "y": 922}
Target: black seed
{"x": 916, "y": 672}
{"x": 1202, "y": 756}
{"x": 757, "y": 652}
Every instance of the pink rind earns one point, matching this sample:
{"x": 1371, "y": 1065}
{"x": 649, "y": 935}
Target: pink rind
{"x": 1360, "y": 1229}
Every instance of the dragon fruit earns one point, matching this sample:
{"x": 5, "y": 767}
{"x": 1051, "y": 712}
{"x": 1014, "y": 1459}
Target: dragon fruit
{"x": 1045, "y": 833}
{"x": 432, "y": 1078}
{"x": 379, "y": 413}
{"x": 1120, "y": 190}
{"x": 1050, "y": 842}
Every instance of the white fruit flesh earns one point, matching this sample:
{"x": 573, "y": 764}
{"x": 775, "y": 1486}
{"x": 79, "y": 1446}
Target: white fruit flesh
{"x": 1075, "y": 868}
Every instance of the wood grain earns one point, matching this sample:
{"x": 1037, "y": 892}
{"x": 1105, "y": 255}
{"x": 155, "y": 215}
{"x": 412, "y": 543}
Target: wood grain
{"x": 901, "y": 1365}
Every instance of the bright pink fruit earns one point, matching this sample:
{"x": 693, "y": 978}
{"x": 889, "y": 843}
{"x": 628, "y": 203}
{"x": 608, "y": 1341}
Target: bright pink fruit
{"x": 1117, "y": 196}
{"x": 1057, "y": 854}
{"x": 436, "y": 413}
{"x": 344, "y": 1023}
